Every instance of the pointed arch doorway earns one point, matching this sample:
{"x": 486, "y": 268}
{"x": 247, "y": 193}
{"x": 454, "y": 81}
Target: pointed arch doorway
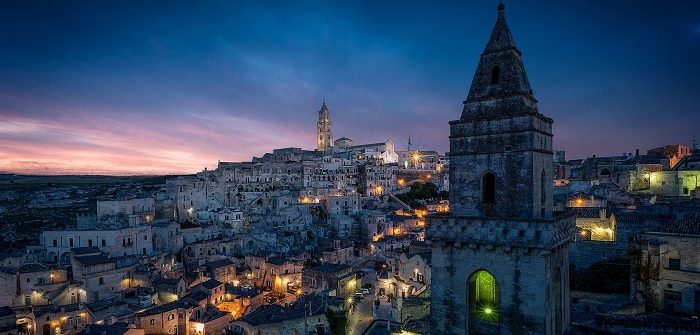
{"x": 483, "y": 303}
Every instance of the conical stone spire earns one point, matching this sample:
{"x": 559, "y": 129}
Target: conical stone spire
{"x": 500, "y": 85}
{"x": 324, "y": 108}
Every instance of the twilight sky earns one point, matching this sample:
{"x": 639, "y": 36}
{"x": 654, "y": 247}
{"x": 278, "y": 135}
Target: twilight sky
{"x": 128, "y": 87}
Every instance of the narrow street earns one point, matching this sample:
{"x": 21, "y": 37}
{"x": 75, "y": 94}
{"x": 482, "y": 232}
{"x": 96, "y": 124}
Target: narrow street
{"x": 363, "y": 314}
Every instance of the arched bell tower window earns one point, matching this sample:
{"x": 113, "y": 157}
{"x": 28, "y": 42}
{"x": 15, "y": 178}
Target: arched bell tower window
{"x": 488, "y": 188}
{"x": 495, "y": 75}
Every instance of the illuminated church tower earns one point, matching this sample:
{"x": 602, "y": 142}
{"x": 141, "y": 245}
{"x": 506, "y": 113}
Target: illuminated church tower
{"x": 500, "y": 259}
{"x": 324, "y": 138}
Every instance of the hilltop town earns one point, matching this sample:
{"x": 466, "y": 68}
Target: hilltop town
{"x": 501, "y": 235}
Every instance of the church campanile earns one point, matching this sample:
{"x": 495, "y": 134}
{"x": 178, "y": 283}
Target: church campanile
{"x": 500, "y": 258}
{"x": 324, "y": 135}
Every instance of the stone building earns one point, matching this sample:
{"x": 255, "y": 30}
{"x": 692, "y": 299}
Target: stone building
{"x": 136, "y": 211}
{"x": 304, "y": 316}
{"x": 667, "y": 269}
{"x": 671, "y": 154}
{"x": 681, "y": 181}
{"x": 381, "y": 151}
{"x": 123, "y": 241}
{"x": 499, "y": 259}
{"x": 329, "y": 276}
{"x": 419, "y": 160}
{"x": 162, "y": 319}
{"x": 323, "y": 129}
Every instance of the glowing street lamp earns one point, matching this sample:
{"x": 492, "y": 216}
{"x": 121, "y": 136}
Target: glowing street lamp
{"x": 416, "y": 156}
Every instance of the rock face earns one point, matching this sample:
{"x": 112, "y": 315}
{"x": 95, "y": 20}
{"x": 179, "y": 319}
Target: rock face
{"x": 500, "y": 259}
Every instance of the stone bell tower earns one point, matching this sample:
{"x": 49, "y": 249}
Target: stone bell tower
{"x": 324, "y": 135}
{"x": 500, "y": 259}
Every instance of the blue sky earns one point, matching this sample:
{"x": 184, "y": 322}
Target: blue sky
{"x": 155, "y": 87}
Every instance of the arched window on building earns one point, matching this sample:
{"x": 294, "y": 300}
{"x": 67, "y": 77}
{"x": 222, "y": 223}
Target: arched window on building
{"x": 483, "y": 302}
{"x": 488, "y": 188}
{"x": 495, "y": 75}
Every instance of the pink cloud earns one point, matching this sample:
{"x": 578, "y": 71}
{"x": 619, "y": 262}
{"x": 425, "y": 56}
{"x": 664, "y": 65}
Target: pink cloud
{"x": 85, "y": 141}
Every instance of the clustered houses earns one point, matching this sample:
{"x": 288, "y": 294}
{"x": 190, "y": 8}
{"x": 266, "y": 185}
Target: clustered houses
{"x": 617, "y": 198}
{"x": 269, "y": 246}
{"x": 224, "y": 249}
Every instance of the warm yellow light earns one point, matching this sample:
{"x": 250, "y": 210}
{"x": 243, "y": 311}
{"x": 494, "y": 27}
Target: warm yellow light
{"x": 199, "y": 327}
{"x": 416, "y": 156}
{"x": 583, "y": 233}
{"x": 378, "y": 189}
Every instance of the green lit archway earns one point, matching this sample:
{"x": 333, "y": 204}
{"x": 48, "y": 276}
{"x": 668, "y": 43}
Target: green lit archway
{"x": 483, "y": 302}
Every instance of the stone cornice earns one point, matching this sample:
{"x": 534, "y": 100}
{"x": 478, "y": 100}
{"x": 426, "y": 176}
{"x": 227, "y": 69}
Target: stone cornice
{"x": 502, "y": 232}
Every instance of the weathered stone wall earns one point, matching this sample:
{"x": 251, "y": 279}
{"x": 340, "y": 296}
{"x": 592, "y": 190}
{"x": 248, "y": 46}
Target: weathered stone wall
{"x": 517, "y": 150}
{"x": 524, "y": 257}
{"x": 523, "y": 276}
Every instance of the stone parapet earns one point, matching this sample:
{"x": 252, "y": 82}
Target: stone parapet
{"x": 503, "y": 232}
